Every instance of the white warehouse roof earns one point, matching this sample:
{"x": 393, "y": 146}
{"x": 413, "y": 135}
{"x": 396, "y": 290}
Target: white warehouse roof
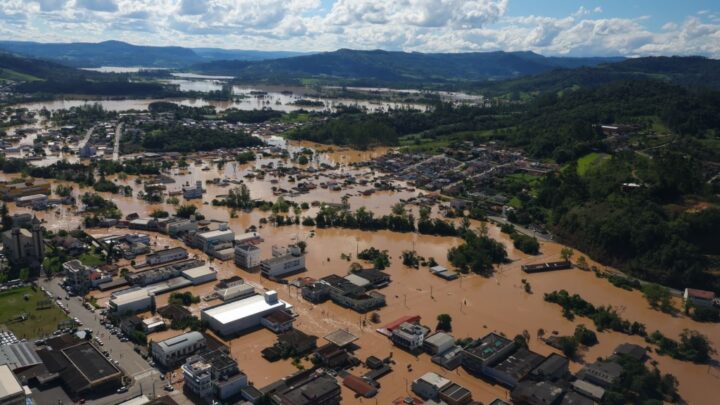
{"x": 227, "y": 313}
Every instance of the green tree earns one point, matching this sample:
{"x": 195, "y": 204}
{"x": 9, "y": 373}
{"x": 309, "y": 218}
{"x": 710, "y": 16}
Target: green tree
{"x": 444, "y": 322}
{"x": 658, "y": 297}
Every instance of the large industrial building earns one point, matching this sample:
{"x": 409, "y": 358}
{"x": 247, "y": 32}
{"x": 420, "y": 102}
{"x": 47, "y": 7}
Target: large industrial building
{"x": 235, "y": 317}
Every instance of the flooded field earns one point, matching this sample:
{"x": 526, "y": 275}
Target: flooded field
{"x": 478, "y": 305}
{"x": 248, "y": 98}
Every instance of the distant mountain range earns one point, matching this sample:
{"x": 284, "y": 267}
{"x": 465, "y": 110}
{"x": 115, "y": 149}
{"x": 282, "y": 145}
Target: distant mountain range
{"x": 688, "y": 71}
{"x": 117, "y": 53}
{"x": 493, "y": 73}
{"x": 385, "y": 67}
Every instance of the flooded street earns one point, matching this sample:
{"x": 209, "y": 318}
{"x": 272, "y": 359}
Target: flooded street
{"x": 478, "y": 305}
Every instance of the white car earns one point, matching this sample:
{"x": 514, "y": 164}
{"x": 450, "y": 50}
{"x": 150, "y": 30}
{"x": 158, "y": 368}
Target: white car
{"x": 122, "y": 389}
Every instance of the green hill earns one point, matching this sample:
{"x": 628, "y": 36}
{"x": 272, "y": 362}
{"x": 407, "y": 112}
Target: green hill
{"x": 396, "y": 68}
{"x": 684, "y": 71}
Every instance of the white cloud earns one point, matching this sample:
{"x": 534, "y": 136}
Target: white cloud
{"x": 51, "y": 5}
{"x": 98, "y": 5}
{"x": 413, "y": 25}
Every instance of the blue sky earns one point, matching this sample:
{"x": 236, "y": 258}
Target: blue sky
{"x": 550, "y": 27}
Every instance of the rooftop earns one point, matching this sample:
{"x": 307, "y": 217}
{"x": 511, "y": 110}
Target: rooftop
{"x": 18, "y": 355}
{"x": 225, "y": 283}
{"x": 279, "y": 317}
{"x": 435, "y": 380}
{"x": 9, "y": 385}
{"x": 456, "y": 392}
{"x": 702, "y": 294}
{"x": 197, "y": 272}
{"x": 90, "y": 363}
{"x": 216, "y": 234}
{"x": 341, "y": 337}
{"x": 122, "y": 298}
{"x": 181, "y": 341}
{"x": 440, "y": 339}
{"x": 550, "y": 365}
{"x": 487, "y": 346}
{"x": 520, "y": 363}
{"x": 542, "y": 392}
{"x": 243, "y": 308}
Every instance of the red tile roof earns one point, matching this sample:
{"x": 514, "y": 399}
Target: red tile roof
{"x": 359, "y": 386}
{"x": 396, "y": 323}
{"x": 702, "y": 294}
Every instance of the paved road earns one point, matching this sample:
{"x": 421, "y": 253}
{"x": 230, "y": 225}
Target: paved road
{"x": 522, "y": 229}
{"x": 86, "y": 138}
{"x": 132, "y": 364}
{"x": 116, "y": 146}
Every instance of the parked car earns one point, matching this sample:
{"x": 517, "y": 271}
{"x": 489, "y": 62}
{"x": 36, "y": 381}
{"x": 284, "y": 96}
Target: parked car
{"x": 122, "y": 389}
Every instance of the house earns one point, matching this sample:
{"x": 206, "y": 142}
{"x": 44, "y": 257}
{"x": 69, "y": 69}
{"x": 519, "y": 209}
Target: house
{"x": 486, "y": 352}
{"x": 555, "y": 367}
{"x": 590, "y": 390}
{"x": 536, "y": 393}
{"x": 192, "y": 192}
{"x": 359, "y": 386}
{"x": 637, "y": 352}
{"x": 449, "y": 359}
{"x": 174, "y": 312}
{"x": 345, "y": 293}
{"x": 233, "y": 288}
{"x": 179, "y": 226}
{"x": 438, "y": 343}
{"x": 278, "y": 321}
{"x": 602, "y": 373}
{"x": 247, "y": 256}
{"x": 429, "y": 386}
{"x": 410, "y": 336}
{"x": 332, "y": 356}
{"x": 291, "y": 342}
{"x": 514, "y": 368}
{"x": 698, "y": 298}
{"x": 455, "y": 394}
{"x": 166, "y": 256}
{"x": 132, "y": 300}
{"x": 171, "y": 352}
{"x": 284, "y": 261}
{"x": 213, "y": 374}
{"x": 376, "y": 278}
{"x": 77, "y": 275}
{"x": 313, "y": 389}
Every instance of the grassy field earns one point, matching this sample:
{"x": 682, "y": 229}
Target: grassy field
{"x": 7, "y": 74}
{"x": 589, "y": 161}
{"x": 91, "y": 259}
{"x": 40, "y": 322}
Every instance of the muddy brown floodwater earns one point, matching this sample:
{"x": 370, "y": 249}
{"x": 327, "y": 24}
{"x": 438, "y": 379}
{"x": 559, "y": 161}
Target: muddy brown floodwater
{"x": 478, "y": 305}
